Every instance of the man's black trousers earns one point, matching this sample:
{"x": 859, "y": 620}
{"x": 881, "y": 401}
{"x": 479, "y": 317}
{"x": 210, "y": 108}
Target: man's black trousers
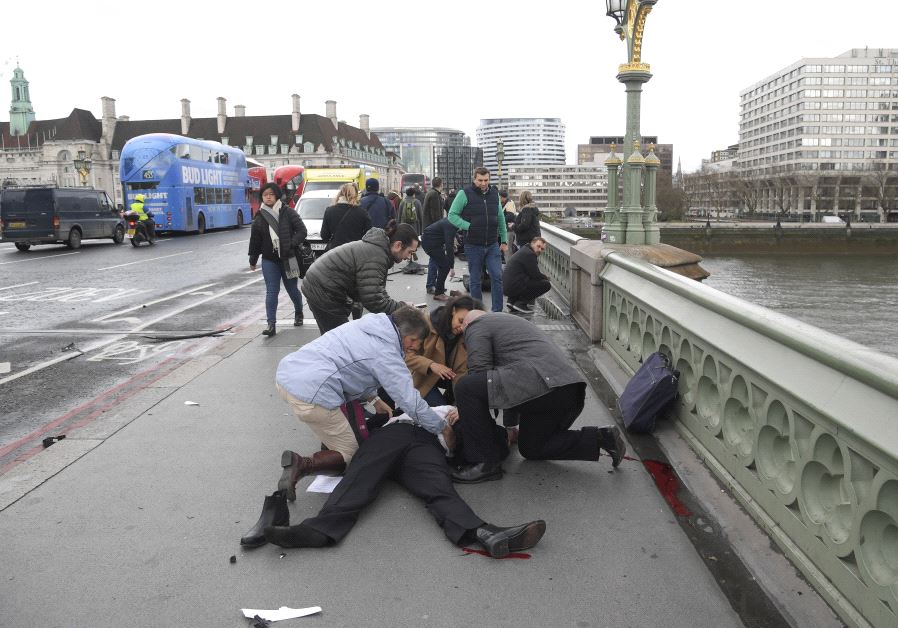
{"x": 411, "y": 456}
{"x": 534, "y": 288}
{"x": 545, "y": 423}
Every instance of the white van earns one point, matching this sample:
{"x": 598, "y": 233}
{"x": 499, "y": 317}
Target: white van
{"x": 832, "y": 220}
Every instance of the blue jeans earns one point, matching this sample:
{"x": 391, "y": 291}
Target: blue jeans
{"x": 273, "y": 272}
{"x": 431, "y": 272}
{"x": 478, "y": 255}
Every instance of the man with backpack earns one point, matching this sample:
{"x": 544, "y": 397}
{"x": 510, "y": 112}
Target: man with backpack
{"x": 433, "y": 203}
{"x": 477, "y": 210}
{"x": 410, "y": 210}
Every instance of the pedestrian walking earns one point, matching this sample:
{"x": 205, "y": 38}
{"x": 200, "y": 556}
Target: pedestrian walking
{"x": 344, "y": 221}
{"x": 438, "y": 241}
{"x": 276, "y": 232}
{"x": 508, "y": 208}
{"x": 526, "y": 226}
{"x": 433, "y": 204}
{"x": 357, "y": 272}
{"x": 476, "y": 209}
{"x": 514, "y": 365}
{"x": 380, "y": 210}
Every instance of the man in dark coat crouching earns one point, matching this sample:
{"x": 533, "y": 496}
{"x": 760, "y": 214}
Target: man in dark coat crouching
{"x": 522, "y": 280}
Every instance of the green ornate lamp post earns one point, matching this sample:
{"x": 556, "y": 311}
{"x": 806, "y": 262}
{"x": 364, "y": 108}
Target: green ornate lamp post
{"x": 631, "y": 222}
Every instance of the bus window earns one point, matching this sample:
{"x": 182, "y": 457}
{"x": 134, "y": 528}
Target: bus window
{"x": 227, "y": 195}
{"x": 199, "y": 196}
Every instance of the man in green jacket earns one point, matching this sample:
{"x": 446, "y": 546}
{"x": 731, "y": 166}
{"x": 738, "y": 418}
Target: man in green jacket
{"x": 477, "y": 210}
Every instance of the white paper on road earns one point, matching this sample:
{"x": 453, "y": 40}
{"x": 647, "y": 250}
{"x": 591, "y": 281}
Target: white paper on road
{"x": 191, "y": 403}
{"x": 324, "y": 484}
{"x": 283, "y": 612}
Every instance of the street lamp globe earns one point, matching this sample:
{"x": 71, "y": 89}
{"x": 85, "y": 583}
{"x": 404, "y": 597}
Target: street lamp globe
{"x": 616, "y": 9}
{"x": 83, "y": 165}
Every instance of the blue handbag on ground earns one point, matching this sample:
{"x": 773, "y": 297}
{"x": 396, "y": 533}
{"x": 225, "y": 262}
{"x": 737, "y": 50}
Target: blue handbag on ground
{"x": 648, "y": 393}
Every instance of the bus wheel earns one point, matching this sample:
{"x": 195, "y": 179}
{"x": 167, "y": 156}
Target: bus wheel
{"x": 201, "y": 224}
{"x": 74, "y": 241}
{"x": 23, "y": 246}
{"x": 239, "y": 218}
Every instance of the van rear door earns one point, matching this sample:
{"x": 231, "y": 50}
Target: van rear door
{"x": 27, "y": 213}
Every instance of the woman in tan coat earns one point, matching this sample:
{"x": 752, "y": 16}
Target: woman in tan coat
{"x": 442, "y": 358}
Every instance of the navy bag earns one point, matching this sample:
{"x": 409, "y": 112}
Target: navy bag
{"x": 648, "y": 393}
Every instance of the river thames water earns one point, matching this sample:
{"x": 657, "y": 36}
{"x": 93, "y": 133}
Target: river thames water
{"x": 853, "y": 296}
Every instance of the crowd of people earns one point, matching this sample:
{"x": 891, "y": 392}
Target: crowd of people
{"x": 409, "y": 394}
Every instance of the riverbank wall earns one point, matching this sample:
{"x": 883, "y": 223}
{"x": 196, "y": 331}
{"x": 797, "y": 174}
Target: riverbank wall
{"x": 725, "y": 238}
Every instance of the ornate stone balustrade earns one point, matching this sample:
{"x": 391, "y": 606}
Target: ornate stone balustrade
{"x": 800, "y": 423}
{"x": 555, "y": 262}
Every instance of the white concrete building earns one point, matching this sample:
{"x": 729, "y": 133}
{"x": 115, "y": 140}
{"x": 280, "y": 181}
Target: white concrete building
{"x": 556, "y": 188}
{"x": 526, "y": 141}
{"x": 827, "y": 130}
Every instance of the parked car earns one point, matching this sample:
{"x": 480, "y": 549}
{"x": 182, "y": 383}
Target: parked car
{"x": 50, "y": 215}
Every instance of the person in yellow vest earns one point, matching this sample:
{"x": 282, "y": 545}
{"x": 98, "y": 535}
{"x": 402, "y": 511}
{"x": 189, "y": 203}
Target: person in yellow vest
{"x": 148, "y": 223}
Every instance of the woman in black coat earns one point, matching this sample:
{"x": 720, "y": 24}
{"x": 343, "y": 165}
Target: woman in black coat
{"x": 526, "y": 227}
{"x": 276, "y": 232}
{"x": 344, "y": 221}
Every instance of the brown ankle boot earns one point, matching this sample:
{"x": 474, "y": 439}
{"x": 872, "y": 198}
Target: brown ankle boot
{"x": 296, "y": 466}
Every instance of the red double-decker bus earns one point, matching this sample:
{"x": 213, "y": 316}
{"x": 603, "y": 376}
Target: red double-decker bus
{"x": 257, "y": 177}
{"x": 292, "y": 181}
{"x": 414, "y": 180}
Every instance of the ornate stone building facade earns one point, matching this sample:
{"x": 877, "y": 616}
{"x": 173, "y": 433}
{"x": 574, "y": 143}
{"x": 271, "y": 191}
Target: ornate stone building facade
{"x": 36, "y": 151}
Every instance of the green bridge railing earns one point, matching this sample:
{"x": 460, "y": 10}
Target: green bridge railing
{"x": 801, "y": 424}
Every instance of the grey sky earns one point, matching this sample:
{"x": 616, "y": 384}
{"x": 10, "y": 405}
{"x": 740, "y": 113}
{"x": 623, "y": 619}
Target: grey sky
{"x": 428, "y": 64}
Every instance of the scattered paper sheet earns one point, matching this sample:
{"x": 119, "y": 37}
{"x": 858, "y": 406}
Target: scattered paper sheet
{"x": 191, "y": 403}
{"x": 324, "y": 484}
{"x": 281, "y": 613}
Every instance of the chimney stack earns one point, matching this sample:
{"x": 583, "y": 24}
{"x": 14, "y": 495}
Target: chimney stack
{"x": 222, "y": 115}
{"x": 331, "y": 112}
{"x": 108, "y": 122}
{"x": 295, "y": 117}
{"x": 364, "y": 125}
{"x": 239, "y": 111}
{"x": 185, "y": 116}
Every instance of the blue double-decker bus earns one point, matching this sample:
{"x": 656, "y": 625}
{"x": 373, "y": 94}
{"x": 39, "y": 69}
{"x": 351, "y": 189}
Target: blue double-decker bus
{"x": 188, "y": 184}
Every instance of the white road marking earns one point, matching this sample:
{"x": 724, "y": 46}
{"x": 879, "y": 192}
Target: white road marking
{"x": 138, "y": 307}
{"x": 34, "y": 259}
{"x": 109, "y": 341}
{"x": 237, "y": 242}
{"x": 66, "y": 294}
{"x": 142, "y": 261}
{"x": 18, "y": 285}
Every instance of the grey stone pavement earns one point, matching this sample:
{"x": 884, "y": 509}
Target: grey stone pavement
{"x": 131, "y": 521}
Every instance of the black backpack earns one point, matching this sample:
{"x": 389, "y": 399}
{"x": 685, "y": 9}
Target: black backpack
{"x": 648, "y": 393}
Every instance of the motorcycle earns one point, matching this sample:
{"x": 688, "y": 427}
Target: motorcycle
{"x": 139, "y": 230}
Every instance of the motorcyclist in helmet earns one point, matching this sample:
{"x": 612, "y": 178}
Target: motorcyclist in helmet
{"x": 148, "y": 223}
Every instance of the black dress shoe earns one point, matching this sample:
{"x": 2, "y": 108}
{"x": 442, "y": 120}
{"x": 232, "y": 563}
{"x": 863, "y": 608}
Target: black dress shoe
{"x": 480, "y": 472}
{"x": 612, "y": 442}
{"x": 270, "y": 330}
{"x": 298, "y": 320}
{"x": 499, "y": 542}
{"x": 296, "y": 536}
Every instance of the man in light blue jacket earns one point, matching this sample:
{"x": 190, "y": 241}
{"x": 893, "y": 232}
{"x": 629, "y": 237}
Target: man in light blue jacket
{"x": 350, "y": 363}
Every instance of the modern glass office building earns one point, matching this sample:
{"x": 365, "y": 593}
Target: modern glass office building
{"x": 526, "y": 142}
{"x": 415, "y": 145}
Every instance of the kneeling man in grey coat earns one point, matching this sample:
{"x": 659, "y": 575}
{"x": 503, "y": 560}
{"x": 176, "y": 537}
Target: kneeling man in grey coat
{"x": 512, "y": 364}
